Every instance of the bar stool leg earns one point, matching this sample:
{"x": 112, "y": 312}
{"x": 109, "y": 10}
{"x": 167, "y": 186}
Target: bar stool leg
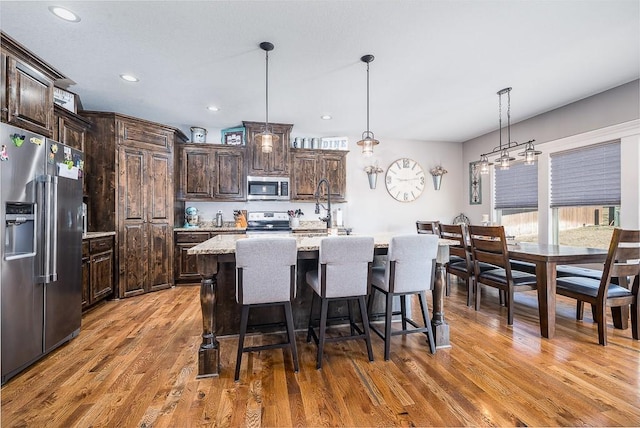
{"x": 323, "y": 327}
{"x": 365, "y": 325}
{"x": 243, "y": 330}
{"x": 292, "y": 335}
{"x": 403, "y": 311}
{"x": 387, "y": 325}
{"x": 425, "y": 316}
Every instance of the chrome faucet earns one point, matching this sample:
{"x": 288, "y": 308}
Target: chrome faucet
{"x": 326, "y": 219}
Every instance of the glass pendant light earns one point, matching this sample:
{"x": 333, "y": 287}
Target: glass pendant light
{"x": 266, "y": 138}
{"x": 368, "y": 139}
{"x": 530, "y": 154}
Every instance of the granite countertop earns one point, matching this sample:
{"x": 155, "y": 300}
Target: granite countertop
{"x": 90, "y": 235}
{"x": 226, "y": 244}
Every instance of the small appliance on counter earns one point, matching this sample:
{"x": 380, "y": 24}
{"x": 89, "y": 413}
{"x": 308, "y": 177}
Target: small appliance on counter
{"x": 191, "y": 217}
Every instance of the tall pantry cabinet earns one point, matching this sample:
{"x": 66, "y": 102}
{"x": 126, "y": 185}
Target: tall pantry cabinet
{"x": 129, "y": 178}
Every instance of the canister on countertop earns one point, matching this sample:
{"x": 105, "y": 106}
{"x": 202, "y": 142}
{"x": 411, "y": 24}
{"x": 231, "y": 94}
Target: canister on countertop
{"x": 219, "y": 221}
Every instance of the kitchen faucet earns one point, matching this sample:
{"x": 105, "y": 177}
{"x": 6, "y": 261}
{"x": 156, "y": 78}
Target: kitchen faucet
{"x": 326, "y": 219}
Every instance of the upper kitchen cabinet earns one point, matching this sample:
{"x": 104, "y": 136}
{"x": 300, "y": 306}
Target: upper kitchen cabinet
{"x": 275, "y": 163}
{"x": 27, "y": 88}
{"x": 129, "y": 174}
{"x": 70, "y": 128}
{"x": 308, "y": 167}
{"x": 208, "y": 172}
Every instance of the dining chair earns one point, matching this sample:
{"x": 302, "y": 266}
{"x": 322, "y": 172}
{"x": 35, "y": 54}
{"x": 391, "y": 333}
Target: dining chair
{"x": 623, "y": 265}
{"x": 428, "y": 227}
{"x": 344, "y": 271}
{"x": 489, "y": 245}
{"x": 266, "y": 276}
{"x": 460, "y": 257}
{"x": 410, "y": 269}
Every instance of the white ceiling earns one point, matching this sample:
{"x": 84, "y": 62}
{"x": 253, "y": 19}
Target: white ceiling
{"x": 438, "y": 64}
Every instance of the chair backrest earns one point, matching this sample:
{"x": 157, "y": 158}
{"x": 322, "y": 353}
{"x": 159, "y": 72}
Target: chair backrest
{"x": 265, "y": 270}
{"x": 344, "y": 265}
{"x": 428, "y": 227}
{"x": 623, "y": 260}
{"x": 489, "y": 245}
{"x": 411, "y": 262}
{"x": 457, "y": 232}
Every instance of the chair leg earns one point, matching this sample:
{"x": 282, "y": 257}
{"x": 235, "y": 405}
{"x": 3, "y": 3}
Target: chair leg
{"x": 509, "y": 303}
{"x": 244, "y": 318}
{"x": 602, "y": 324}
{"x": 388, "y": 311}
{"x": 447, "y": 287}
{"x": 579, "y": 310}
{"x": 292, "y": 335}
{"x": 635, "y": 320}
{"x": 470, "y": 287}
{"x": 620, "y": 316}
{"x": 352, "y": 320}
{"x": 310, "y": 327}
{"x": 477, "y": 289}
{"x": 323, "y": 330}
{"x": 427, "y": 321}
{"x": 403, "y": 311}
{"x": 365, "y": 326}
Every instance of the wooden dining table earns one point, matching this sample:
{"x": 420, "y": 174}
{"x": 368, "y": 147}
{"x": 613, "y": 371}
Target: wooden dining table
{"x": 546, "y": 258}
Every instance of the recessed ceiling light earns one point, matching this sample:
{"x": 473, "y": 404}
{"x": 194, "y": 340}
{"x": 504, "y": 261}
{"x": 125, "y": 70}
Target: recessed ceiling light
{"x": 325, "y": 117}
{"x": 63, "y": 13}
{"x": 129, "y": 78}
{"x": 213, "y": 108}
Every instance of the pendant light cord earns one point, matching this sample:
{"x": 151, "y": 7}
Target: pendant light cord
{"x": 266, "y": 124}
{"x": 367, "y": 98}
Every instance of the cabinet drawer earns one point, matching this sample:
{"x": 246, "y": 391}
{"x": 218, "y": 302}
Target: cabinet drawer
{"x": 192, "y": 236}
{"x": 100, "y": 244}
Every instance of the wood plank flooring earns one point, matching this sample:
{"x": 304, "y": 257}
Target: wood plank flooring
{"x": 135, "y": 361}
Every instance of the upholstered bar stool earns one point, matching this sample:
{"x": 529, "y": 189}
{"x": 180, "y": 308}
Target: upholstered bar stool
{"x": 344, "y": 269}
{"x": 410, "y": 269}
{"x": 266, "y": 275}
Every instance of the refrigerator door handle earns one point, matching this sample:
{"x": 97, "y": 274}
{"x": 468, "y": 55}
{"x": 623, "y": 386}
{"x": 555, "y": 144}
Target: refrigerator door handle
{"x": 49, "y": 215}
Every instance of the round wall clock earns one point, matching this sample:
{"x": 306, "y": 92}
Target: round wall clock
{"x": 405, "y": 180}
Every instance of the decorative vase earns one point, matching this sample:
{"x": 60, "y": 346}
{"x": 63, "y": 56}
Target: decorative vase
{"x": 373, "y": 178}
{"x": 437, "y": 181}
{"x": 294, "y": 222}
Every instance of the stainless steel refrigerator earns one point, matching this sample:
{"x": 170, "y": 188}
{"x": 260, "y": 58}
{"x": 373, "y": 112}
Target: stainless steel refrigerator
{"x": 41, "y": 244}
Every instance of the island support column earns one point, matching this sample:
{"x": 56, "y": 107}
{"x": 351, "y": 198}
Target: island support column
{"x": 438, "y": 323}
{"x": 209, "y": 352}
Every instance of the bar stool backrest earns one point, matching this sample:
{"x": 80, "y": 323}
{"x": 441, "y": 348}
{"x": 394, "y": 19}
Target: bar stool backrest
{"x": 344, "y": 265}
{"x": 411, "y": 260}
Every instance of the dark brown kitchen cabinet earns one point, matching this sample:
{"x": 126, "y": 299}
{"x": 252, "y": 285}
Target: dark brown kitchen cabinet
{"x": 27, "y": 88}
{"x": 309, "y": 166}
{"x": 97, "y": 270}
{"x": 70, "y": 128}
{"x": 208, "y": 172}
{"x": 275, "y": 163}
{"x": 186, "y": 270}
{"x": 130, "y": 168}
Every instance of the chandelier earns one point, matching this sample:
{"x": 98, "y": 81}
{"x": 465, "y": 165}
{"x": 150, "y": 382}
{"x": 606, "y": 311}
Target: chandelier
{"x": 266, "y": 138}
{"x": 368, "y": 139}
{"x": 504, "y": 159}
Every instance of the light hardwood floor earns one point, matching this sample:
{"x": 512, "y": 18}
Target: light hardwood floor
{"x": 135, "y": 361}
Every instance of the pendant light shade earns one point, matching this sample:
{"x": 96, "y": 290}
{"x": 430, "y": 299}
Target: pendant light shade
{"x": 266, "y": 138}
{"x": 530, "y": 154}
{"x": 368, "y": 139}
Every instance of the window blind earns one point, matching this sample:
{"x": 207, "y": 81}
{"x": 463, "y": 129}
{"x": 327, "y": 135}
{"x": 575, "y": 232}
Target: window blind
{"x": 516, "y": 187}
{"x": 586, "y": 176}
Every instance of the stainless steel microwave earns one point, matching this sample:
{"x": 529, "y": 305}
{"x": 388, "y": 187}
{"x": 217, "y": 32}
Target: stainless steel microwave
{"x": 267, "y": 188}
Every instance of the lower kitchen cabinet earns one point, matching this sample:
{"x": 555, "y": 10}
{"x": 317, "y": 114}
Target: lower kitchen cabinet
{"x": 97, "y": 270}
{"x": 186, "y": 268}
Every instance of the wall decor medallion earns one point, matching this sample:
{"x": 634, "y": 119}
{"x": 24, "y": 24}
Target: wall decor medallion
{"x": 405, "y": 180}
{"x": 475, "y": 184}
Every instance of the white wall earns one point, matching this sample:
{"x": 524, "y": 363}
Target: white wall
{"x": 370, "y": 211}
{"x": 603, "y": 117}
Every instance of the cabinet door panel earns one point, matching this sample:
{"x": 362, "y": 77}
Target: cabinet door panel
{"x": 30, "y": 101}
{"x": 159, "y": 187}
{"x": 133, "y": 259}
{"x": 196, "y": 173}
{"x": 275, "y": 163}
{"x": 160, "y": 256}
{"x": 334, "y": 170}
{"x": 305, "y": 176}
{"x": 101, "y": 275}
{"x": 132, "y": 189}
{"x": 230, "y": 177}
{"x": 70, "y": 134}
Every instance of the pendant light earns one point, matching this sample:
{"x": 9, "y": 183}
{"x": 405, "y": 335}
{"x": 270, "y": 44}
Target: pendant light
{"x": 266, "y": 138}
{"x": 368, "y": 139}
{"x": 504, "y": 159}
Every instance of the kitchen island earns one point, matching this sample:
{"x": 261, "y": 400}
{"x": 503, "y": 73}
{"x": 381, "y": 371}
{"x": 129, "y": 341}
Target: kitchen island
{"x": 221, "y": 312}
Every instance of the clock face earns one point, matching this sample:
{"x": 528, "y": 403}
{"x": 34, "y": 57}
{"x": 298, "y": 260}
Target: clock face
{"x": 405, "y": 180}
